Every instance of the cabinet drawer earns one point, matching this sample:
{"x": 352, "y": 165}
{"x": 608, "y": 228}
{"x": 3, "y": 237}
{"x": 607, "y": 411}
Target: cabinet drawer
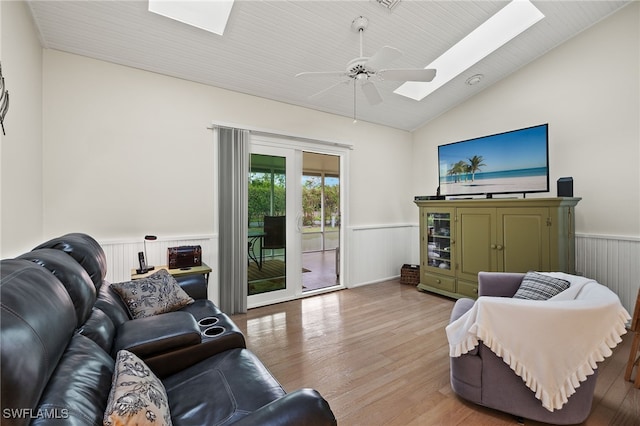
{"x": 468, "y": 289}
{"x": 438, "y": 281}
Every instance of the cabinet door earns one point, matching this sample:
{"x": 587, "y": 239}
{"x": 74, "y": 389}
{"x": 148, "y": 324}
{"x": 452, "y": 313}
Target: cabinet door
{"x": 475, "y": 230}
{"x": 438, "y": 241}
{"x": 522, "y": 242}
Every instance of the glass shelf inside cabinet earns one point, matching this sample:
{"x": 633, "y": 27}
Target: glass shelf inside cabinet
{"x": 439, "y": 240}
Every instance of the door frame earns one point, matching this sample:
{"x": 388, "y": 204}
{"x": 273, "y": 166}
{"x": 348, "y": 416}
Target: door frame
{"x": 276, "y": 143}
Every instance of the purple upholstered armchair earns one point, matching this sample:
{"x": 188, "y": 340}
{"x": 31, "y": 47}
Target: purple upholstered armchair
{"x": 482, "y": 377}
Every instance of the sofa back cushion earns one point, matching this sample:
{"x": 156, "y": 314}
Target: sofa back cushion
{"x": 85, "y": 250}
{"x": 112, "y": 305}
{"x": 37, "y": 319}
{"x": 73, "y": 276}
{"x": 100, "y": 329}
{"x": 78, "y": 390}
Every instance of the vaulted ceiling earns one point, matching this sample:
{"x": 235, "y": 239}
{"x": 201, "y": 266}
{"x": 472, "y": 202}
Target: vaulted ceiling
{"x": 266, "y": 43}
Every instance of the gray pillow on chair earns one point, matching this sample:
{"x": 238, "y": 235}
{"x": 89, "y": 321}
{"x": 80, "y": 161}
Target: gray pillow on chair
{"x": 537, "y": 286}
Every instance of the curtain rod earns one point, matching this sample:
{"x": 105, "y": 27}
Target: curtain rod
{"x": 267, "y": 132}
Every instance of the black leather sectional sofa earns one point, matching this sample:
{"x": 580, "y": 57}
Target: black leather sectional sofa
{"x": 63, "y": 326}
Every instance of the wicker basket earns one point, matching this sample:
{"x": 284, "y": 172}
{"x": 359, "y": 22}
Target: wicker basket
{"x": 410, "y": 274}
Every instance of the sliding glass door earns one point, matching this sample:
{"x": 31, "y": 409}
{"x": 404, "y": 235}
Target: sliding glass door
{"x": 272, "y": 252}
{"x": 296, "y": 192}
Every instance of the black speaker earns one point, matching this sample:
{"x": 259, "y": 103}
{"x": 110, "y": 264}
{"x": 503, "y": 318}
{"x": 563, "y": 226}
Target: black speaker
{"x": 565, "y": 187}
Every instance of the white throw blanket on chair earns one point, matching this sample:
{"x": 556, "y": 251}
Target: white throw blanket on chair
{"x": 552, "y": 344}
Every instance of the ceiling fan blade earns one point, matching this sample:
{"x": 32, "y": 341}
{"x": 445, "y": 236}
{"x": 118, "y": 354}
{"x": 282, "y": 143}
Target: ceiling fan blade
{"x": 371, "y": 93}
{"x": 322, "y": 74}
{"x": 323, "y": 91}
{"x": 383, "y": 57}
{"x": 407, "y": 74}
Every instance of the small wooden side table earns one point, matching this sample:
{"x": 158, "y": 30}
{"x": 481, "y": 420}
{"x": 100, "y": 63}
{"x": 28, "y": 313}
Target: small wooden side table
{"x": 178, "y": 272}
{"x": 634, "y": 357}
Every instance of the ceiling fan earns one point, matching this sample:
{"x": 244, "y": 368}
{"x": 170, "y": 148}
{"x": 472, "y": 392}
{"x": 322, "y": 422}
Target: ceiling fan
{"x": 365, "y": 70}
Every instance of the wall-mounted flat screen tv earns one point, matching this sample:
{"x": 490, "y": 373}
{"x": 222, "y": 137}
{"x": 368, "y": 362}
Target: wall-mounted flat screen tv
{"x": 505, "y": 163}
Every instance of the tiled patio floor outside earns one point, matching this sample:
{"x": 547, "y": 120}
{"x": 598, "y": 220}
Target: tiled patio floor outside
{"x": 322, "y": 267}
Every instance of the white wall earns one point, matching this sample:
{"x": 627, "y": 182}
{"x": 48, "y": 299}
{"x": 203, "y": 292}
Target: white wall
{"x": 21, "y": 148}
{"x": 588, "y": 90}
{"x": 127, "y": 152}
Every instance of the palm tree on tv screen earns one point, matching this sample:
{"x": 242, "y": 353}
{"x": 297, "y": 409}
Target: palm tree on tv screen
{"x": 475, "y": 163}
{"x": 457, "y": 169}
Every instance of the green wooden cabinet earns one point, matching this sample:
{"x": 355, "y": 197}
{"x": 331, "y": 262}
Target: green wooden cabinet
{"x": 459, "y": 238}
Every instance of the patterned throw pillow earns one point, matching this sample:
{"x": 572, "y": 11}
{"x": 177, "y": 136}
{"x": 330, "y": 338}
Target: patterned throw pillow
{"x": 137, "y": 396}
{"x": 156, "y": 294}
{"x": 537, "y": 286}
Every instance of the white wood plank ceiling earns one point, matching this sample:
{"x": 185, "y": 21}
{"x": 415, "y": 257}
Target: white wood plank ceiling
{"x": 266, "y": 43}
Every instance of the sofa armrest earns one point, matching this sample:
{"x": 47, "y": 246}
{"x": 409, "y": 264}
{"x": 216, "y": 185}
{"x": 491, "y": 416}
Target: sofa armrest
{"x": 194, "y": 285}
{"x": 302, "y": 407}
{"x": 461, "y": 307}
{"x": 158, "y": 334}
{"x": 499, "y": 284}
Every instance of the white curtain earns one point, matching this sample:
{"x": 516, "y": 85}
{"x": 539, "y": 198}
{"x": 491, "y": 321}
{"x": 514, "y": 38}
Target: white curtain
{"x": 233, "y": 176}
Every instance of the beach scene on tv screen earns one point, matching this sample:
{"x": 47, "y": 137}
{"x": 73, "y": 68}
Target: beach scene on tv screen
{"x": 512, "y": 162}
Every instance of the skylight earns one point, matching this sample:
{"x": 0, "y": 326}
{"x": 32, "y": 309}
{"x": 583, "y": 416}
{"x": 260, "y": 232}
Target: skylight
{"x": 498, "y": 30}
{"x": 211, "y": 15}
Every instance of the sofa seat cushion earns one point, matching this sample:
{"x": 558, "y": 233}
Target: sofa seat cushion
{"x": 137, "y": 396}
{"x": 156, "y": 294}
{"x": 158, "y": 334}
{"x": 79, "y": 387}
{"x": 221, "y": 389}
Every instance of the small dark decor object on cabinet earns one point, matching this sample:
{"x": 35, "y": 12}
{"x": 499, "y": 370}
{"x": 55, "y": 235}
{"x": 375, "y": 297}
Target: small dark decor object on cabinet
{"x": 184, "y": 256}
{"x": 410, "y": 274}
{"x": 565, "y": 187}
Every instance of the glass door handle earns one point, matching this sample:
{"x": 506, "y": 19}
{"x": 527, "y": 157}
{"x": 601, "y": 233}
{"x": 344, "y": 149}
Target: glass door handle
{"x": 299, "y": 221}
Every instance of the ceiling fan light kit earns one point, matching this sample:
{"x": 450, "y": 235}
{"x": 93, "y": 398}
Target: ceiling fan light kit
{"x": 365, "y": 70}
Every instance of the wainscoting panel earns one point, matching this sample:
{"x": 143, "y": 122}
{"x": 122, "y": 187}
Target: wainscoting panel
{"x": 613, "y": 262}
{"x": 122, "y": 256}
{"x": 376, "y": 253}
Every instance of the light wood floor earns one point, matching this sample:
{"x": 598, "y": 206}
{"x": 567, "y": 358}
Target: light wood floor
{"x": 379, "y": 355}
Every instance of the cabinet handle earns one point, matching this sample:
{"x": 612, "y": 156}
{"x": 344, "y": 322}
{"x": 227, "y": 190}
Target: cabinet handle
{"x": 438, "y": 281}
{"x": 499, "y": 247}
{"x": 493, "y": 246}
